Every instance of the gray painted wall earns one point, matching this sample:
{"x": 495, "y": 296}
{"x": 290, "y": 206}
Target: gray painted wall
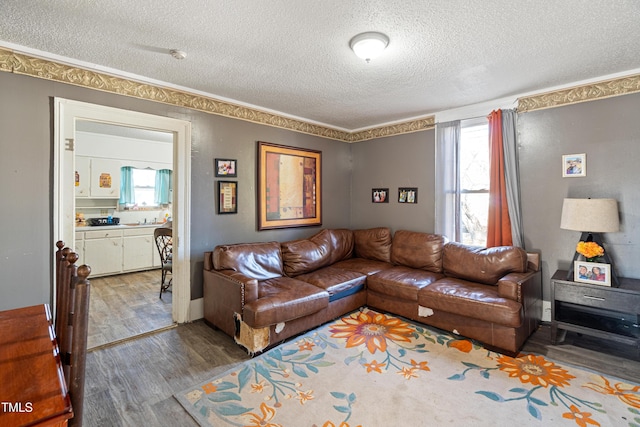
{"x": 398, "y": 161}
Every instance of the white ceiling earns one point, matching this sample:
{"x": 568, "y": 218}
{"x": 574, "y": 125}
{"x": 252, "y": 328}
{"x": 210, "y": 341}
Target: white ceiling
{"x": 293, "y": 57}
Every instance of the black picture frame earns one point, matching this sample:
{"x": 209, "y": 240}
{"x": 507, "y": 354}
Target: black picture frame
{"x": 227, "y": 199}
{"x": 379, "y": 195}
{"x": 227, "y": 168}
{"x": 408, "y": 195}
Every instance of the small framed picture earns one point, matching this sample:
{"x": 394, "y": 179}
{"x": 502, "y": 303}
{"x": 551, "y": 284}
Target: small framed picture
{"x": 226, "y": 168}
{"x": 227, "y": 197}
{"x": 574, "y": 165}
{"x": 592, "y": 272}
{"x": 407, "y": 195}
{"x": 379, "y": 195}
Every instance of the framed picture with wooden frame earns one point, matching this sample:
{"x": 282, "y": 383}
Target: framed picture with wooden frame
{"x": 227, "y": 197}
{"x": 289, "y": 186}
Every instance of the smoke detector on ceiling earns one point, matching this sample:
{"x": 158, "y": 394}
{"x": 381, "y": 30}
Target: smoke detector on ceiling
{"x": 178, "y": 54}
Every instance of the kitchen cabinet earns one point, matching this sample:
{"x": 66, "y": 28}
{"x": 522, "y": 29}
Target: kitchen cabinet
{"x": 97, "y": 178}
{"x": 138, "y": 248}
{"x": 103, "y": 251}
{"x": 105, "y": 178}
{"x": 83, "y": 177}
{"x": 117, "y": 249}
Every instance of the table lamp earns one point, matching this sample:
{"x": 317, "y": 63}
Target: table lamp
{"x": 591, "y": 217}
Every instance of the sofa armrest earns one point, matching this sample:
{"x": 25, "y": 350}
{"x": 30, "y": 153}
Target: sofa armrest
{"x": 225, "y": 293}
{"x": 521, "y": 286}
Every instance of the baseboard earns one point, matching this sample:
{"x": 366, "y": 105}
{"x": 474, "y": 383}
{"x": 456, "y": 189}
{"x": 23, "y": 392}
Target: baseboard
{"x": 196, "y": 309}
{"x": 546, "y": 311}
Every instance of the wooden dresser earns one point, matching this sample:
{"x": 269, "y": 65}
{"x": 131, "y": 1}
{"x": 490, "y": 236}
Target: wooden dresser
{"x": 32, "y": 387}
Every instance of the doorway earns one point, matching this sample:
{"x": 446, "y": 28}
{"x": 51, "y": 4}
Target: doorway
{"x": 67, "y": 114}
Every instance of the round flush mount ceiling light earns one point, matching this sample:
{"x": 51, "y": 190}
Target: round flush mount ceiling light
{"x": 178, "y": 54}
{"x": 369, "y": 45}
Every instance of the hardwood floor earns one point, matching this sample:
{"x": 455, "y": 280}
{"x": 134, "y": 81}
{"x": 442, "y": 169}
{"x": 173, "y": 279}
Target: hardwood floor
{"x": 125, "y": 306}
{"x": 133, "y": 383}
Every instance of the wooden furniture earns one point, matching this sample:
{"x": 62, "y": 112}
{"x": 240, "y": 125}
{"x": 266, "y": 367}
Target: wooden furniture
{"x": 33, "y": 390}
{"x": 163, "y": 238}
{"x": 606, "y": 312}
{"x": 72, "y": 323}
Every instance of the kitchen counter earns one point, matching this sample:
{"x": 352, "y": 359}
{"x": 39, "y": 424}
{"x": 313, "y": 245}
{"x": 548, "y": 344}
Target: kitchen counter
{"x": 119, "y": 226}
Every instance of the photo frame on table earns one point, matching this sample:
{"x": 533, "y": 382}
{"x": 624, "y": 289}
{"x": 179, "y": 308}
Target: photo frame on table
{"x": 592, "y": 272}
{"x": 226, "y": 168}
{"x": 227, "y": 197}
{"x": 574, "y": 165}
{"x": 408, "y": 195}
{"x": 289, "y": 186}
{"x": 379, "y": 195}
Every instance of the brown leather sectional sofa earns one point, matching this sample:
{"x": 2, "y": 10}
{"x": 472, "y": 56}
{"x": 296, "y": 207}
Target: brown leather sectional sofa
{"x": 263, "y": 293}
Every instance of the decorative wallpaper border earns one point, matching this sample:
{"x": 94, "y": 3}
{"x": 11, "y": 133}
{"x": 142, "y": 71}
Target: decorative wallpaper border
{"x": 588, "y": 92}
{"x": 19, "y": 63}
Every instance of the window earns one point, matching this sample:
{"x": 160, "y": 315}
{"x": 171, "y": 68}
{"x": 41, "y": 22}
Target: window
{"x": 144, "y": 187}
{"x": 474, "y": 182}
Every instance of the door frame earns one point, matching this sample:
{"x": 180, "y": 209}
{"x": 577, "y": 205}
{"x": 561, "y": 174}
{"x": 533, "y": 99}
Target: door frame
{"x": 66, "y": 113}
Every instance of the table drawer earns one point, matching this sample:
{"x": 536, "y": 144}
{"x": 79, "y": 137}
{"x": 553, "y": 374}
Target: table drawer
{"x": 607, "y": 298}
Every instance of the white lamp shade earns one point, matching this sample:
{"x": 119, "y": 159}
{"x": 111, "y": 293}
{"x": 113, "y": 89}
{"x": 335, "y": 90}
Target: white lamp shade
{"x": 369, "y": 45}
{"x": 590, "y": 215}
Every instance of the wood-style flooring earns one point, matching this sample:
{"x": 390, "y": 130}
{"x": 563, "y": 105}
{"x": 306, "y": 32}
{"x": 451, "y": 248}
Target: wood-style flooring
{"x": 132, "y": 383}
{"x": 126, "y": 305}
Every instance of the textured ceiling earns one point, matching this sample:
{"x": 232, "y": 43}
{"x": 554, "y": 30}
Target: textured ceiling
{"x": 293, "y": 57}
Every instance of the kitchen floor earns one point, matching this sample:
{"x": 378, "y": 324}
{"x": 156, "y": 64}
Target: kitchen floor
{"x": 126, "y": 306}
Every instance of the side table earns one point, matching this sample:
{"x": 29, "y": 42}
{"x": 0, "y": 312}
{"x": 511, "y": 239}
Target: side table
{"x": 611, "y": 313}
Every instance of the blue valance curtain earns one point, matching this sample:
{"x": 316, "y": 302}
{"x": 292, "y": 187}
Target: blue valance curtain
{"x": 163, "y": 187}
{"x": 127, "y": 192}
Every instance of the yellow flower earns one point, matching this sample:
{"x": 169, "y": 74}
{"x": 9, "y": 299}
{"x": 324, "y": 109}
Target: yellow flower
{"x": 408, "y": 373}
{"x": 258, "y": 387}
{"x": 373, "y": 330}
{"x": 420, "y": 365}
{"x": 303, "y": 396}
{"x": 374, "y": 366}
{"x": 626, "y": 393}
{"x": 306, "y": 345}
{"x": 589, "y": 249}
{"x": 535, "y": 370}
{"x": 581, "y": 418}
{"x": 262, "y": 421}
{"x": 209, "y": 388}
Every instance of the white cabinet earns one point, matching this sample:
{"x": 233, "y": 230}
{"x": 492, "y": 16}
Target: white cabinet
{"x": 103, "y": 251}
{"x": 105, "y": 178}
{"x": 138, "y": 248}
{"x": 83, "y": 178}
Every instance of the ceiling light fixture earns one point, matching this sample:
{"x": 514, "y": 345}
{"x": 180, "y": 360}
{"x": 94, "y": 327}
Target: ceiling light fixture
{"x": 178, "y": 54}
{"x": 369, "y": 45}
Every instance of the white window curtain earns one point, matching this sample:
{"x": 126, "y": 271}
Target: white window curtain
{"x": 447, "y": 180}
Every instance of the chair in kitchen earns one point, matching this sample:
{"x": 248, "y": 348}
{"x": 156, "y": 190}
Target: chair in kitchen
{"x": 163, "y": 238}
{"x": 71, "y": 325}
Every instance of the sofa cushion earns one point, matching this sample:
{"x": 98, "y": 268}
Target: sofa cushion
{"x": 303, "y": 256}
{"x": 483, "y": 265}
{"x": 361, "y": 265}
{"x": 283, "y": 299}
{"x": 260, "y": 261}
{"x": 338, "y": 282}
{"x": 472, "y": 300}
{"x": 373, "y": 243}
{"x": 342, "y": 243}
{"x": 417, "y": 250}
{"x": 401, "y": 282}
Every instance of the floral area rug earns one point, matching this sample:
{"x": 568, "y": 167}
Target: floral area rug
{"x": 370, "y": 369}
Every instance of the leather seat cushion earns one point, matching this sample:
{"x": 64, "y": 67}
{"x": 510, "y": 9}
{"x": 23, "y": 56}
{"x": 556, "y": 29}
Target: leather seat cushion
{"x": 283, "y": 299}
{"x": 338, "y": 282}
{"x": 472, "y": 300}
{"x": 401, "y": 282}
{"x": 364, "y": 266}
